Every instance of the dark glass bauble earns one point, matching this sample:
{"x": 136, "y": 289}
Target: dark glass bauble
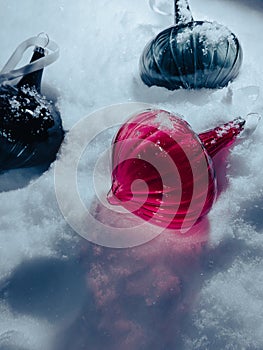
{"x": 30, "y": 126}
{"x": 191, "y": 55}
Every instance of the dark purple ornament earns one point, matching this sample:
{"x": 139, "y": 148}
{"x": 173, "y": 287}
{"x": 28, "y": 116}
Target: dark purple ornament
{"x": 30, "y": 126}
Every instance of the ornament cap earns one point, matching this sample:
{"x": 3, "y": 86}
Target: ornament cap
{"x": 34, "y": 79}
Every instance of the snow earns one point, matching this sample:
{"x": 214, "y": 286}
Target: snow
{"x": 14, "y": 104}
{"x": 164, "y": 121}
{"x": 184, "y": 14}
{"x": 200, "y": 292}
{"x": 210, "y": 34}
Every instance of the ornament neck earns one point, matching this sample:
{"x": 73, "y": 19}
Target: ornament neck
{"x": 34, "y": 79}
{"x": 182, "y": 12}
{"x": 215, "y": 140}
{"x": 10, "y": 73}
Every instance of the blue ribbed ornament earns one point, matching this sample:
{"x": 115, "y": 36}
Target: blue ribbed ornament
{"x": 191, "y": 54}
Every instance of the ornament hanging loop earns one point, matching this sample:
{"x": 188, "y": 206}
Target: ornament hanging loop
{"x": 251, "y": 123}
{"x": 9, "y": 73}
{"x": 159, "y": 9}
{"x": 182, "y": 12}
{"x": 44, "y": 36}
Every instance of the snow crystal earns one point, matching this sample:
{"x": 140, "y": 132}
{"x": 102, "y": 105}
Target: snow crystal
{"x": 164, "y": 121}
{"x": 220, "y": 132}
{"x": 210, "y": 34}
{"x": 37, "y": 112}
{"x": 185, "y": 13}
{"x": 29, "y": 91}
{"x": 15, "y": 105}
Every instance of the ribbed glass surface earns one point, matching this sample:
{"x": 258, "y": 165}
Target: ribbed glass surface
{"x": 191, "y": 56}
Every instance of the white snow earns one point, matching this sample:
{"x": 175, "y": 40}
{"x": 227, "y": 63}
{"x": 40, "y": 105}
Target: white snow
{"x": 200, "y": 297}
{"x": 210, "y": 34}
{"x": 164, "y": 121}
{"x": 14, "y": 103}
{"x": 185, "y": 14}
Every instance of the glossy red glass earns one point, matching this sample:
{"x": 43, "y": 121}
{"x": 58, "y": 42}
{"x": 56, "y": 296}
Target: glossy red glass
{"x": 163, "y": 172}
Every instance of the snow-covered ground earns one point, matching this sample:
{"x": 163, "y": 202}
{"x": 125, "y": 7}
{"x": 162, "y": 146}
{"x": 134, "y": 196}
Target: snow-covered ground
{"x": 58, "y": 291}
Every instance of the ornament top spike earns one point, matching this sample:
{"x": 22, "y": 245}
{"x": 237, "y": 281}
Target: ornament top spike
{"x": 44, "y": 36}
{"x": 222, "y": 136}
{"x": 182, "y": 12}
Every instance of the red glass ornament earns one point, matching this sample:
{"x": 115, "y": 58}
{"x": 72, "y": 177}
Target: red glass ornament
{"x": 163, "y": 172}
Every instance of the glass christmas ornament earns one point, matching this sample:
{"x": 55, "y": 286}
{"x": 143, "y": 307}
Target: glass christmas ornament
{"x": 191, "y": 54}
{"x": 163, "y": 172}
{"x": 30, "y": 126}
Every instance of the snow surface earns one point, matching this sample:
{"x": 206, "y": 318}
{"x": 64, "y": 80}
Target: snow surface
{"x": 211, "y": 34}
{"x": 58, "y": 291}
